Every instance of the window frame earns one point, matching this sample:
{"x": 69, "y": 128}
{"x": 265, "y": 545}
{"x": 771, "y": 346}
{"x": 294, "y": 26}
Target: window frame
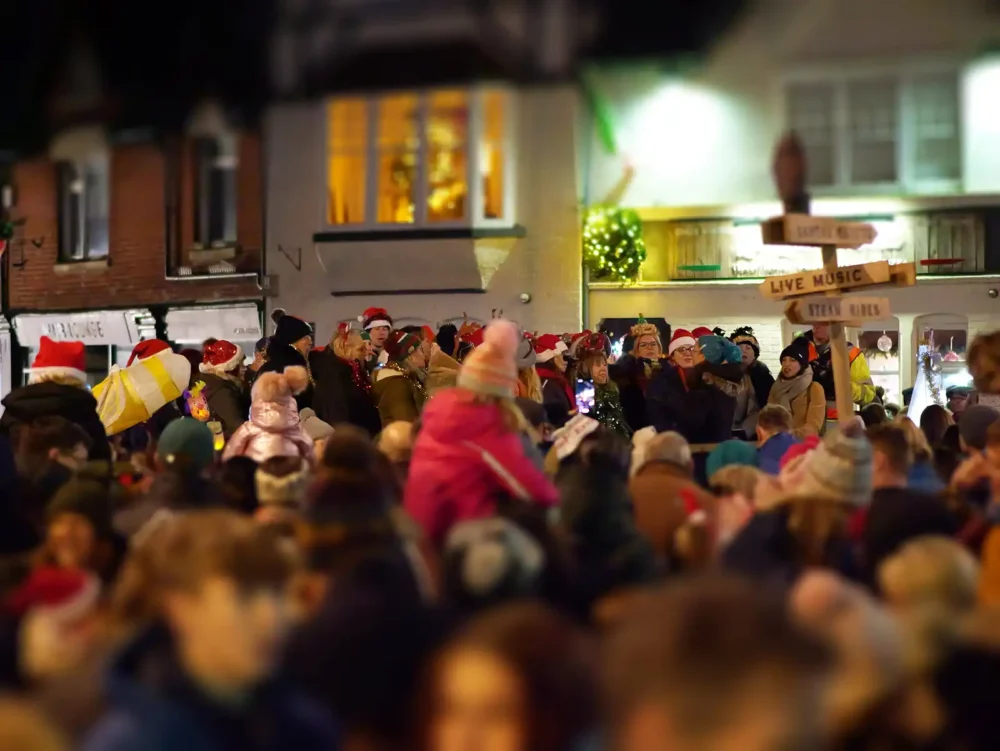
{"x": 906, "y": 77}
{"x": 202, "y": 193}
{"x": 98, "y": 163}
{"x": 474, "y": 136}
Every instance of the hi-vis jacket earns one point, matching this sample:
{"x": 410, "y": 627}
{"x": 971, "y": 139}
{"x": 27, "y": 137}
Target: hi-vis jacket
{"x": 862, "y": 386}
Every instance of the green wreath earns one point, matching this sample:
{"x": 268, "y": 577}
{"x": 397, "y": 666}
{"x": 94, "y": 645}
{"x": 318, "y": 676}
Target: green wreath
{"x": 613, "y": 247}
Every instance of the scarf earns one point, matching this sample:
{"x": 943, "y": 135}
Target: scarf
{"x": 360, "y": 376}
{"x": 785, "y": 390}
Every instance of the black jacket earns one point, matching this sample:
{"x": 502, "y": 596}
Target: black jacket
{"x": 28, "y": 403}
{"x": 702, "y": 413}
{"x": 281, "y": 356}
{"x": 629, "y": 374}
{"x": 227, "y": 401}
{"x": 762, "y": 380}
{"x": 337, "y": 398}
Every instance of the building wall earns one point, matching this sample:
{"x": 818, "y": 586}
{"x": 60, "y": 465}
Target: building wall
{"x": 134, "y": 273}
{"x": 545, "y": 263}
{"x": 706, "y": 136}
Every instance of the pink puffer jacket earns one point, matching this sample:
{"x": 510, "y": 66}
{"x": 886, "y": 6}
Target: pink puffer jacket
{"x": 274, "y": 428}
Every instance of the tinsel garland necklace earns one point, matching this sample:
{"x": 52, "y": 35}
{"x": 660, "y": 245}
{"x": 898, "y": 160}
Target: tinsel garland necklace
{"x": 409, "y": 375}
{"x": 932, "y": 386}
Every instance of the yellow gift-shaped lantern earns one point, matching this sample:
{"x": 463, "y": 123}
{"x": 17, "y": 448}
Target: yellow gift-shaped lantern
{"x": 129, "y": 396}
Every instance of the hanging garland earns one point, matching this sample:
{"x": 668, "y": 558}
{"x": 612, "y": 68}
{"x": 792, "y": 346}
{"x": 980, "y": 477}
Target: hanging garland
{"x": 927, "y": 364}
{"x": 613, "y": 247}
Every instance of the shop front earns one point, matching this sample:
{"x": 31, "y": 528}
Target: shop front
{"x": 109, "y": 336}
{"x": 239, "y": 323}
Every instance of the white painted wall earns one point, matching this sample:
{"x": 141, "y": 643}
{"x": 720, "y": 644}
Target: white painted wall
{"x": 706, "y": 138}
{"x": 544, "y": 264}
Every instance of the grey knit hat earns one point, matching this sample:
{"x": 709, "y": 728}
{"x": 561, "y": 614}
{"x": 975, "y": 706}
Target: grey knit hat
{"x": 525, "y": 353}
{"x": 840, "y": 469}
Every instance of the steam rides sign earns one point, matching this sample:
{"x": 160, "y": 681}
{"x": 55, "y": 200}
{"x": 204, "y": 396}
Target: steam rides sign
{"x": 830, "y": 281}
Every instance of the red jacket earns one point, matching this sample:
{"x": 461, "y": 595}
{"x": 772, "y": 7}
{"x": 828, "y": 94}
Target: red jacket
{"x": 465, "y": 460}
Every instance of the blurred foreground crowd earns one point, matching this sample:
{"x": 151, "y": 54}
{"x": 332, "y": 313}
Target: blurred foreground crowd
{"x": 474, "y": 580}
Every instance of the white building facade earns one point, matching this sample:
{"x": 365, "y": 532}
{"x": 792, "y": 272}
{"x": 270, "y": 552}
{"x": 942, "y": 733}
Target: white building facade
{"x": 901, "y": 124}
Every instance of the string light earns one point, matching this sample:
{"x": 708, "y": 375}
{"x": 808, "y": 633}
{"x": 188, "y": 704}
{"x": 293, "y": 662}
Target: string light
{"x": 613, "y": 246}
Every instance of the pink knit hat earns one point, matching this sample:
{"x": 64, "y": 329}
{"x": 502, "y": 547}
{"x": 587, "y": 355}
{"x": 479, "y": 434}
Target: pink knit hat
{"x": 491, "y": 368}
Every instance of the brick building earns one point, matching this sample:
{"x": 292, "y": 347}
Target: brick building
{"x": 123, "y": 241}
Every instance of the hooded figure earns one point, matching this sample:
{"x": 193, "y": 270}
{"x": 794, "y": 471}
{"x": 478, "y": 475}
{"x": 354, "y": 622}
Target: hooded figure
{"x": 274, "y": 428}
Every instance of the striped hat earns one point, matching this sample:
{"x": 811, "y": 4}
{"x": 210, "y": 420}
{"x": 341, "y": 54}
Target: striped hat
{"x": 491, "y": 368}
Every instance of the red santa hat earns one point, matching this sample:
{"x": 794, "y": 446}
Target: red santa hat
{"x": 54, "y": 358}
{"x": 62, "y": 595}
{"x": 548, "y": 346}
{"x": 220, "y": 357}
{"x": 147, "y": 348}
{"x": 374, "y": 317}
{"x": 681, "y": 338}
{"x": 701, "y": 331}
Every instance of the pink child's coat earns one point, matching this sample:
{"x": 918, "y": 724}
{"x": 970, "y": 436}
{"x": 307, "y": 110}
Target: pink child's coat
{"x": 274, "y": 428}
{"x": 452, "y": 480}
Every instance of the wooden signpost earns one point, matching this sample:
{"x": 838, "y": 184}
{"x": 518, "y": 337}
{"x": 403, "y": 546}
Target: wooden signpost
{"x": 831, "y": 281}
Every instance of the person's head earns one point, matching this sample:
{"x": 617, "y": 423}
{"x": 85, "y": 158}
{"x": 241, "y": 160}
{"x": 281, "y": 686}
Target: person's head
{"x": 291, "y": 332}
{"x": 348, "y": 344}
{"x": 930, "y": 571}
{"x": 405, "y": 349}
{"x": 378, "y": 323}
{"x": 683, "y": 349}
{"x": 934, "y": 421}
{"x": 51, "y": 439}
{"x": 919, "y": 446}
{"x": 892, "y": 456}
{"x": 873, "y": 414}
{"x": 396, "y": 443}
{"x": 218, "y": 581}
{"x": 596, "y": 368}
{"x": 646, "y": 343}
{"x": 186, "y": 444}
{"x": 425, "y": 341}
{"x": 222, "y": 358}
{"x": 837, "y": 472}
{"x": 821, "y": 333}
{"x": 518, "y": 678}
{"x": 64, "y": 363}
{"x": 260, "y": 350}
{"x": 974, "y": 424}
{"x": 771, "y": 420}
{"x": 958, "y": 400}
{"x": 714, "y": 663}
{"x": 281, "y": 483}
{"x": 794, "y": 359}
{"x": 732, "y": 452}
{"x": 739, "y": 480}
{"x": 749, "y": 346}
{"x": 667, "y": 448}
{"x": 236, "y": 484}
{"x": 491, "y": 369}
{"x": 79, "y": 532}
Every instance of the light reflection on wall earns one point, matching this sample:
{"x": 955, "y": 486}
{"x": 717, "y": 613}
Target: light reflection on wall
{"x": 751, "y": 258}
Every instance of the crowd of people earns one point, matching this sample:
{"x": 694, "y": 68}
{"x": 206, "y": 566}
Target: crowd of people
{"x": 409, "y": 539}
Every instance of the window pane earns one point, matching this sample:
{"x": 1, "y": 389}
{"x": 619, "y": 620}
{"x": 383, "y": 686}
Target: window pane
{"x": 935, "y": 117}
{"x": 398, "y": 145}
{"x": 491, "y": 154}
{"x": 810, "y": 114}
{"x": 347, "y": 142}
{"x": 447, "y": 155}
{"x": 874, "y": 122}
{"x": 96, "y": 207}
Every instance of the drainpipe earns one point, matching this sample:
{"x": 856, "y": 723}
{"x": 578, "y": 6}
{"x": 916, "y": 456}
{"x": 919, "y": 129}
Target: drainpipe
{"x": 585, "y": 167}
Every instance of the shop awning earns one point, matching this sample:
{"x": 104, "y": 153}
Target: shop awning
{"x": 236, "y": 323}
{"x": 119, "y": 328}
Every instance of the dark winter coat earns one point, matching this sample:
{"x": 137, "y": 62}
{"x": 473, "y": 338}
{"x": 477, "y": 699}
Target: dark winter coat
{"x": 281, "y": 356}
{"x": 557, "y": 395}
{"x": 685, "y": 402}
{"x": 629, "y": 373}
{"x": 337, "y": 398}
{"x": 156, "y": 707}
{"x": 762, "y": 381}
{"x": 770, "y": 453}
{"x": 28, "y": 403}
{"x": 228, "y": 402}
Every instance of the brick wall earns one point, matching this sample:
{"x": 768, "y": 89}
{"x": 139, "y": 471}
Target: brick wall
{"x": 135, "y": 272}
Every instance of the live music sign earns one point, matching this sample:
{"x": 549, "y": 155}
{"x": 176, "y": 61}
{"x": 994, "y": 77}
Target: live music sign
{"x": 822, "y": 280}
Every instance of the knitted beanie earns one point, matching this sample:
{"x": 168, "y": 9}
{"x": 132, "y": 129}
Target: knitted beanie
{"x": 491, "y": 368}
{"x": 282, "y": 481}
{"x": 840, "y": 469}
{"x": 288, "y": 329}
{"x": 730, "y": 453}
{"x": 401, "y": 345}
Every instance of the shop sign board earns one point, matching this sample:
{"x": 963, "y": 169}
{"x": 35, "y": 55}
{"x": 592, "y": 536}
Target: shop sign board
{"x": 93, "y": 328}
{"x": 822, "y": 280}
{"x": 802, "y": 229}
{"x": 837, "y": 310}
{"x": 236, "y": 323}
